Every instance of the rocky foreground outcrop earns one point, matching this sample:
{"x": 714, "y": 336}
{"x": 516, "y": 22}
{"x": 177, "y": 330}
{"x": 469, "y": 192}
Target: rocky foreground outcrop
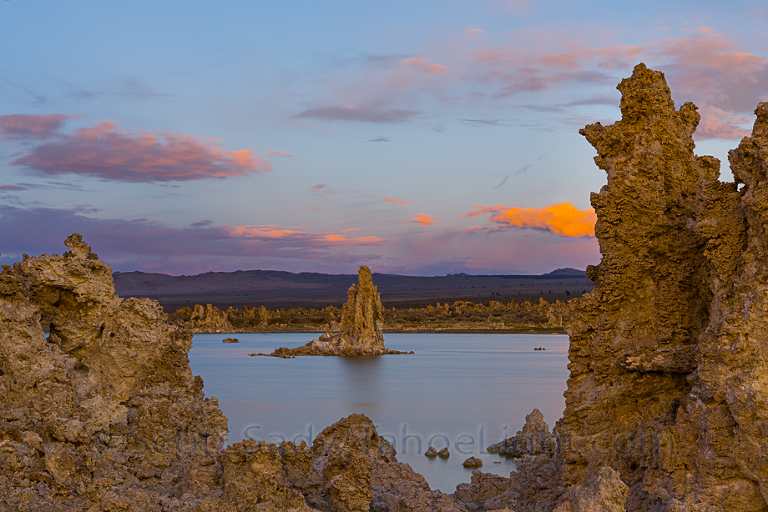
{"x": 360, "y": 331}
{"x": 104, "y": 415}
{"x": 669, "y": 353}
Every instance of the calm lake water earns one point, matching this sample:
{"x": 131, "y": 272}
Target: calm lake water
{"x": 464, "y": 390}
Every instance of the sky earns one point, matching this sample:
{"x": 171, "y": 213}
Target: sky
{"x": 423, "y": 137}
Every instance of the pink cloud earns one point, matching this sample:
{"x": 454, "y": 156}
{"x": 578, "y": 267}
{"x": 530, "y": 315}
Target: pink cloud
{"x": 12, "y": 187}
{"x": 718, "y": 124}
{"x": 279, "y": 153}
{"x": 422, "y": 219}
{"x": 321, "y": 189}
{"x": 395, "y": 201}
{"x": 559, "y": 218}
{"x": 473, "y": 32}
{"x": 314, "y": 208}
{"x": 32, "y": 127}
{"x": 423, "y": 64}
{"x": 202, "y": 246}
{"x": 106, "y": 151}
{"x": 701, "y": 66}
{"x": 268, "y": 232}
{"x": 151, "y": 246}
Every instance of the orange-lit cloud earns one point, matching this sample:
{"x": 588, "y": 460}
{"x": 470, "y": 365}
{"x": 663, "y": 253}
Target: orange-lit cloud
{"x": 296, "y": 234}
{"x": 560, "y": 218}
{"x": 109, "y": 152}
{"x": 395, "y": 201}
{"x": 279, "y": 153}
{"x": 423, "y": 219}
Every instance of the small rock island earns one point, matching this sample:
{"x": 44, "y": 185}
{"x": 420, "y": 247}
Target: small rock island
{"x": 360, "y": 331}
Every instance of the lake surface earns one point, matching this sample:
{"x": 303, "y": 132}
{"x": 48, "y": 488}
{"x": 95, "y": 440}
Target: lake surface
{"x": 464, "y": 390}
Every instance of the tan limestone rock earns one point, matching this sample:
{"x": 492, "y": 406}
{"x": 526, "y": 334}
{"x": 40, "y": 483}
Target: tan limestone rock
{"x": 668, "y": 362}
{"x": 105, "y": 409}
{"x": 533, "y": 439}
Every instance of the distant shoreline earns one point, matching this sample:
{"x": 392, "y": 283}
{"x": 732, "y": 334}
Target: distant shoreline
{"x": 398, "y": 331}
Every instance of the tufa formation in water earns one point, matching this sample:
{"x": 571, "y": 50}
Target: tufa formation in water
{"x": 360, "y": 331}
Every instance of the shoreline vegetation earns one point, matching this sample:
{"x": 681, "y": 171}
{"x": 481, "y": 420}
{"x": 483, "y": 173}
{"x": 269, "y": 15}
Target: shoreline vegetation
{"x": 493, "y": 316}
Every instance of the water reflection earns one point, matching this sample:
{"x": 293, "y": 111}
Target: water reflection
{"x": 464, "y": 387}
{"x": 362, "y": 376}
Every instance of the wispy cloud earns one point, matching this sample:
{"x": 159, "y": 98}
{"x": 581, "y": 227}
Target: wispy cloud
{"x": 279, "y": 153}
{"x": 321, "y": 189}
{"x": 12, "y": 187}
{"x": 701, "y": 65}
{"x": 560, "y": 218}
{"x": 424, "y": 65}
{"x": 527, "y": 166}
{"x": 422, "y": 219}
{"x": 31, "y": 127}
{"x": 473, "y": 32}
{"x": 360, "y": 114}
{"x": 202, "y": 246}
{"x": 502, "y": 183}
{"x": 380, "y": 139}
{"x": 395, "y": 201}
{"x": 109, "y": 152}
{"x": 298, "y": 235}
{"x": 483, "y": 122}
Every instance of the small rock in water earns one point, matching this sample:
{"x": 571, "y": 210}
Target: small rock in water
{"x": 444, "y": 453}
{"x": 473, "y": 462}
{"x": 230, "y": 340}
{"x": 431, "y": 452}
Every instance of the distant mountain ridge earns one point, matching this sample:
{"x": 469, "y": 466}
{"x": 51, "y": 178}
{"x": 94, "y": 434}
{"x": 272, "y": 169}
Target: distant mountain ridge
{"x": 273, "y": 286}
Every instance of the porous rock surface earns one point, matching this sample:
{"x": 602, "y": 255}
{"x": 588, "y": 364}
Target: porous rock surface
{"x": 533, "y": 439}
{"x": 360, "y": 330}
{"x": 104, "y": 415}
{"x": 669, "y": 358}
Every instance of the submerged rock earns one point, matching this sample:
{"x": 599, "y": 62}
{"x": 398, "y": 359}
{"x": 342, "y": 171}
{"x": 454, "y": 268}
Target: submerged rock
{"x": 360, "y": 331}
{"x": 230, "y": 340}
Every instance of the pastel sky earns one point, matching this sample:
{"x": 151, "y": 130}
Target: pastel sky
{"x": 421, "y": 137}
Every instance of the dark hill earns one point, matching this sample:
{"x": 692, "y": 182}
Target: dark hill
{"x": 566, "y": 272}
